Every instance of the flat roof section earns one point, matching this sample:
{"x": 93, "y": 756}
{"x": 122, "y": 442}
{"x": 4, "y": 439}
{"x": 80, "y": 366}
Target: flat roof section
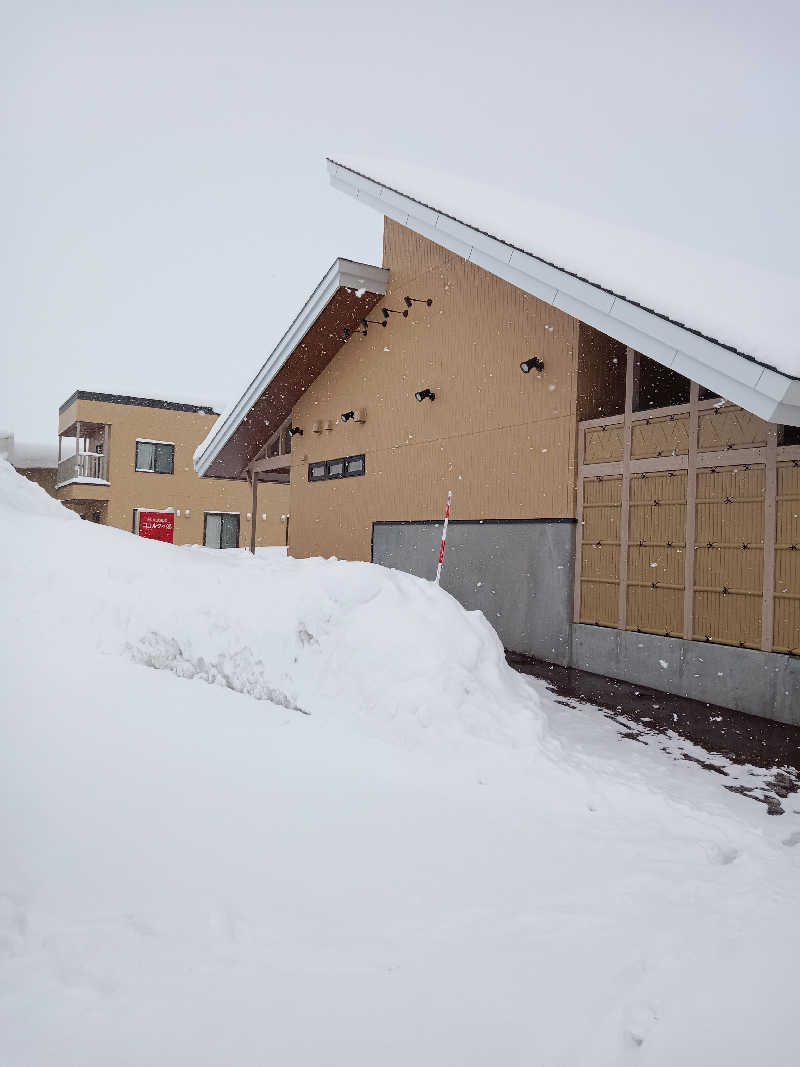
{"x": 136, "y": 401}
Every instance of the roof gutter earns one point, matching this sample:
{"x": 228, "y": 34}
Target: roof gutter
{"x": 762, "y": 390}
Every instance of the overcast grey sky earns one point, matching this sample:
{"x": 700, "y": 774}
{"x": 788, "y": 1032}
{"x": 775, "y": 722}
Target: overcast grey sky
{"x": 163, "y": 183}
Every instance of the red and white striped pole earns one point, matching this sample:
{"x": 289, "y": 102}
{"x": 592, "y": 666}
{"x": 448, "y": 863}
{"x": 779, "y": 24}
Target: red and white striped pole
{"x": 444, "y": 536}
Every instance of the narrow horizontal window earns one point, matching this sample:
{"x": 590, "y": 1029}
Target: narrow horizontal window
{"x": 155, "y": 457}
{"x": 344, "y": 467}
{"x": 353, "y": 466}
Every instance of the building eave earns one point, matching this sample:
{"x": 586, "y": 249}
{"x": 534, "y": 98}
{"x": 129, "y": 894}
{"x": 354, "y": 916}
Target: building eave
{"x": 363, "y": 285}
{"x": 755, "y": 386}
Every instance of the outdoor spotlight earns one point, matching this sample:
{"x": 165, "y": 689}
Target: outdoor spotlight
{"x": 391, "y": 311}
{"x": 425, "y": 394}
{"x": 409, "y": 300}
{"x": 534, "y": 363}
{"x": 348, "y": 415}
{"x": 294, "y": 430}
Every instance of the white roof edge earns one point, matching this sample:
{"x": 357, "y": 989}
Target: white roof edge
{"x": 343, "y": 273}
{"x": 763, "y": 390}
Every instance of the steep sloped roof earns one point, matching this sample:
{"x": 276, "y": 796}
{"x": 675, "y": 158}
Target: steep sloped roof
{"x": 727, "y": 325}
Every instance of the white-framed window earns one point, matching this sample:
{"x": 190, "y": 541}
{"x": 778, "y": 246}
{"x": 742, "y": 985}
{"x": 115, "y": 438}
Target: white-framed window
{"x": 155, "y": 457}
{"x": 221, "y": 529}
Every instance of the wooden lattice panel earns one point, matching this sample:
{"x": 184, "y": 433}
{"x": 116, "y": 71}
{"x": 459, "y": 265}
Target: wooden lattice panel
{"x": 599, "y": 603}
{"x": 655, "y": 611}
{"x": 727, "y": 620}
{"x": 786, "y": 634}
{"x": 667, "y": 436}
{"x": 729, "y": 556}
{"x": 656, "y": 547}
{"x": 604, "y": 444}
{"x": 729, "y": 427}
{"x": 730, "y": 505}
{"x": 602, "y": 499}
{"x": 658, "y": 508}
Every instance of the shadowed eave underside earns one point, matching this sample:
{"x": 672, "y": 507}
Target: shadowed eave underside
{"x": 347, "y": 294}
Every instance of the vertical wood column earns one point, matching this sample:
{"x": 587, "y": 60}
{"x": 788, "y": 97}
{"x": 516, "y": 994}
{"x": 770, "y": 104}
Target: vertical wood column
{"x": 770, "y": 520}
{"x": 624, "y": 519}
{"x": 254, "y": 511}
{"x": 691, "y": 515}
{"x": 576, "y": 601}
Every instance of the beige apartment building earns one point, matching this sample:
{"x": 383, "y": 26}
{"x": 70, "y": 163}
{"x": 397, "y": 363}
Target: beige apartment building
{"x": 127, "y": 462}
{"x": 626, "y": 489}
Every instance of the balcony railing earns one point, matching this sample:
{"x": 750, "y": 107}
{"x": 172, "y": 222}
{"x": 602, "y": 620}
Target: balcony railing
{"x": 83, "y": 466}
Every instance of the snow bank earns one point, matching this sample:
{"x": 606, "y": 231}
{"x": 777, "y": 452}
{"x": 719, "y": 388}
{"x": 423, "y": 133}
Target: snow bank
{"x": 189, "y": 876}
{"x": 737, "y": 303}
{"x": 322, "y": 637}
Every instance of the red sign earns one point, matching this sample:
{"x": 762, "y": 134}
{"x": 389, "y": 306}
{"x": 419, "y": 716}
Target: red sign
{"x": 157, "y": 525}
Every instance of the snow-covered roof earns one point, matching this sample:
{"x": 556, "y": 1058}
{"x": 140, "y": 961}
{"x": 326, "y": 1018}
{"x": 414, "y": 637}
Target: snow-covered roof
{"x": 138, "y": 399}
{"x": 727, "y": 325}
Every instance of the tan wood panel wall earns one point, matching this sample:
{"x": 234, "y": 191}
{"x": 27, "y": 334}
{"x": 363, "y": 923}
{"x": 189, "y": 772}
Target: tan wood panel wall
{"x": 503, "y": 441}
{"x": 707, "y": 478}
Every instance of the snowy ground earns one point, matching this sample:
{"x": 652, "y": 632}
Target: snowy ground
{"x": 367, "y": 841}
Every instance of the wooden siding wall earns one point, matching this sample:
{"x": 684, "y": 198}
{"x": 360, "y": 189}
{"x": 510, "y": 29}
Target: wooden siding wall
{"x": 707, "y": 477}
{"x": 503, "y": 441}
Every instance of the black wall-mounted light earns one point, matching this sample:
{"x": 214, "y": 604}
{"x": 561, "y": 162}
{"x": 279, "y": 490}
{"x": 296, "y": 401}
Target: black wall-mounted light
{"x": 293, "y": 430}
{"x": 371, "y": 322}
{"x": 391, "y": 311}
{"x": 409, "y": 300}
{"x": 425, "y": 394}
{"x": 534, "y": 363}
{"x": 348, "y": 415}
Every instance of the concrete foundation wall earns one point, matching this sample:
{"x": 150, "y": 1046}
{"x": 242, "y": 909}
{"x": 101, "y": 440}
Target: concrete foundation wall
{"x": 759, "y": 683}
{"x": 518, "y": 573}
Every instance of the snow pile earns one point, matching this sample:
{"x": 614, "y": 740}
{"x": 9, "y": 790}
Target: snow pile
{"x": 322, "y": 637}
{"x": 192, "y": 876}
{"x": 739, "y": 304}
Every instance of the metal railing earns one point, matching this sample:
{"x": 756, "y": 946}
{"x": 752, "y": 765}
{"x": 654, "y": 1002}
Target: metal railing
{"x": 83, "y": 465}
